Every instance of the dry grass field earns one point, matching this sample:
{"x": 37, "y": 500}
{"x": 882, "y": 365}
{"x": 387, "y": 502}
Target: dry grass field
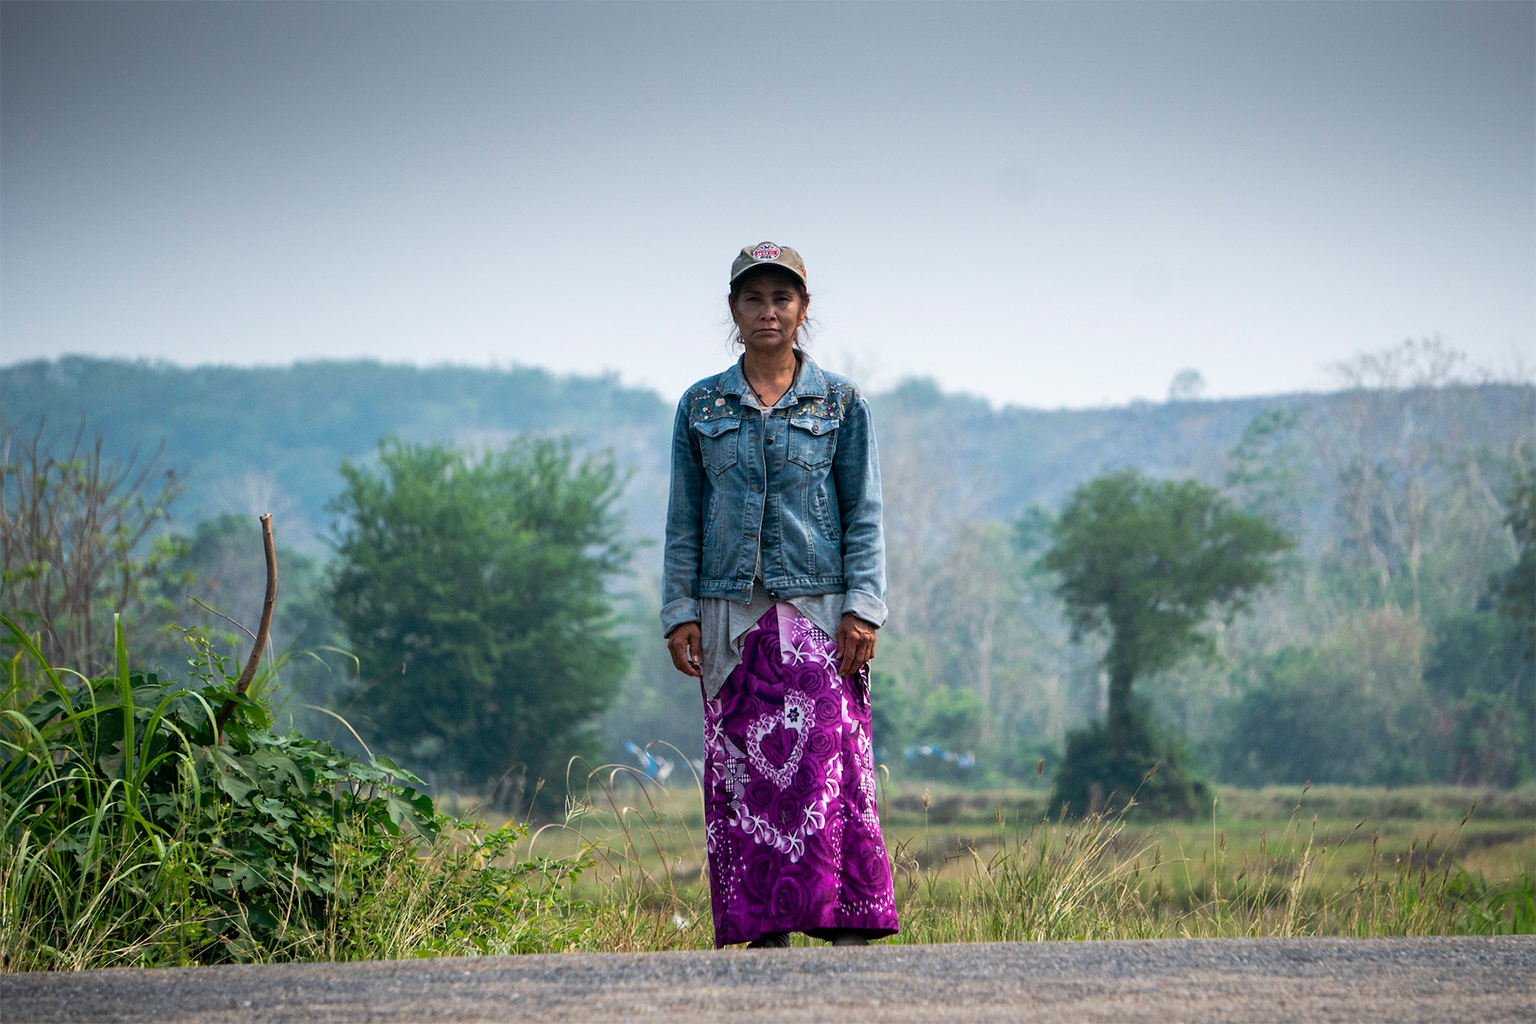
{"x": 983, "y": 866}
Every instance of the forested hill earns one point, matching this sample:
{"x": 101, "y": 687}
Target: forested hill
{"x": 271, "y": 438}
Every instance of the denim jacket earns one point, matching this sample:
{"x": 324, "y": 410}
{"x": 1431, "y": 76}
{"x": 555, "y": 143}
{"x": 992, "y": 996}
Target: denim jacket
{"x": 800, "y": 486}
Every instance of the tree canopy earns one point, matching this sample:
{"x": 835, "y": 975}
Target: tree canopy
{"x": 1516, "y": 590}
{"x": 474, "y": 591}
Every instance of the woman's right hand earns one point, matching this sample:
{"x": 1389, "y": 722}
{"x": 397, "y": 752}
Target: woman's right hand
{"x": 683, "y": 643}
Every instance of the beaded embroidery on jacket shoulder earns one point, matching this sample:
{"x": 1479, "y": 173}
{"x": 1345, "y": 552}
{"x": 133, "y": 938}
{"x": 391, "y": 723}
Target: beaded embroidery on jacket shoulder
{"x": 707, "y": 402}
{"x": 840, "y": 397}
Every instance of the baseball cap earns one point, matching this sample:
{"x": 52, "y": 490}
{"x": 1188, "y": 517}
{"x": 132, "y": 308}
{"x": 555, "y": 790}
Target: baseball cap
{"x": 768, "y": 254}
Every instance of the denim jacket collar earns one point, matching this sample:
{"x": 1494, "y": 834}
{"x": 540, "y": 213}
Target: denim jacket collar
{"x": 810, "y": 382}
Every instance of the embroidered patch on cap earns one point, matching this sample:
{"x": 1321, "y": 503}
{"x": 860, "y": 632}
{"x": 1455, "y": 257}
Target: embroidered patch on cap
{"x": 765, "y": 251}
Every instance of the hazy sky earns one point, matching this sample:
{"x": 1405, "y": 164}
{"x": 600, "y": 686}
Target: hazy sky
{"x": 1045, "y": 204}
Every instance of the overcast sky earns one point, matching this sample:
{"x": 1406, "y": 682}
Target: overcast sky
{"x": 1054, "y": 205}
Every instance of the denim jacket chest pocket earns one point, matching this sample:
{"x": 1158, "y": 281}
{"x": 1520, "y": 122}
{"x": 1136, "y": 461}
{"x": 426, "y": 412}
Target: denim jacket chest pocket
{"x": 813, "y": 440}
{"x": 718, "y": 442}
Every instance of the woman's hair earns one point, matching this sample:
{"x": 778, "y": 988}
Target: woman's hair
{"x": 781, "y": 275}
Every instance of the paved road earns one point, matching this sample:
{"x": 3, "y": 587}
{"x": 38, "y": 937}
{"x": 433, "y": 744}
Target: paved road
{"x": 1439, "y": 980}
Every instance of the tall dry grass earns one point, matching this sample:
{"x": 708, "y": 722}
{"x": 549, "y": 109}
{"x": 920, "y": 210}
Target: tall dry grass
{"x": 1098, "y": 878}
{"x": 1103, "y": 879}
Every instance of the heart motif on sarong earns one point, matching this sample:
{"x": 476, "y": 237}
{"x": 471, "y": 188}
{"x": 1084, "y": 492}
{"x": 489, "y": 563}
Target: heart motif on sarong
{"x": 776, "y": 741}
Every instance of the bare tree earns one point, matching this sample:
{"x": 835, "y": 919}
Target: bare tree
{"x": 1402, "y": 418}
{"x": 73, "y": 525}
{"x": 928, "y": 496}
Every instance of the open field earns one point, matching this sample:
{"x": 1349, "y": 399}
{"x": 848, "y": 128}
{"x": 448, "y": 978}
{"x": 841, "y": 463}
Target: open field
{"x": 1497, "y": 837}
{"x": 1351, "y": 824}
{"x": 986, "y": 866}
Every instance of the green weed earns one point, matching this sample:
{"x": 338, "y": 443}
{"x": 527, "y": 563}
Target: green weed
{"x": 134, "y": 834}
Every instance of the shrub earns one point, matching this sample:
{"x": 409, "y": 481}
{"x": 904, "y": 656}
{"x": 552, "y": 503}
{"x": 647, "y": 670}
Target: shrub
{"x": 1150, "y": 775}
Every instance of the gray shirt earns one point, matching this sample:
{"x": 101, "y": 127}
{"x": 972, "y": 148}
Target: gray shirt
{"x": 726, "y": 623}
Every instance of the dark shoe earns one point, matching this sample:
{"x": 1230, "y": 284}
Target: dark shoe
{"x": 770, "y": 940}
{"x": 849, "y": 938}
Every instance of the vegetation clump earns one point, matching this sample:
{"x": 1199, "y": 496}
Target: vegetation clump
{"x": 136, "y": 834}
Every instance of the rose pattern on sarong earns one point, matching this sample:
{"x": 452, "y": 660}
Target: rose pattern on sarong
{"x": 792, "y": 822}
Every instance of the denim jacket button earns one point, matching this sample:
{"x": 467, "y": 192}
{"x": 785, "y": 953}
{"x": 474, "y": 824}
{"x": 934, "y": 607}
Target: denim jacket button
{"x": 768, "y": 441}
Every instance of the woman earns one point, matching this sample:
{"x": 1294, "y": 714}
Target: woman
{"x": 774, "y": 547}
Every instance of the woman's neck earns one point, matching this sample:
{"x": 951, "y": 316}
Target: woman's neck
{"x": 769, "y": 375}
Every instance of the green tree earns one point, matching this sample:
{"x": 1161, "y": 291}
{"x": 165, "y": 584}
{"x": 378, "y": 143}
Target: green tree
{"x": 1480, "y": 673}
{"x": 474, "y": 591}
{"x": 1148, "y": 564}
{"x": 1482, "y": 669}
{"x": 1515, "y": 591}
{"x": 1351, "y": 708}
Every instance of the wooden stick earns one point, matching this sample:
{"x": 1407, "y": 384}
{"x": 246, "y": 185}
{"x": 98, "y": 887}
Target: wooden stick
{"x": 261, "y": 632}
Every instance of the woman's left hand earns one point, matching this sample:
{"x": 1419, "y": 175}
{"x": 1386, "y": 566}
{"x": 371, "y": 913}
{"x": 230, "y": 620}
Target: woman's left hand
{"x": 855, "y": 645}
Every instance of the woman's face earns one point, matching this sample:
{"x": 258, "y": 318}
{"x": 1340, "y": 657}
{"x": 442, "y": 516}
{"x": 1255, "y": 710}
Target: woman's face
{"x": 767, "y": 312}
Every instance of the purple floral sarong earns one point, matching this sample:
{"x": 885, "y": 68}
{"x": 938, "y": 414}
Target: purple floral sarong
{"x": 790, "y": 811}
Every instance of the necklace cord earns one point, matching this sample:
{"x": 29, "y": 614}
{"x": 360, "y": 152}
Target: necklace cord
{"x": 758, "y": 394}
{"x": 755, "y": 393}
